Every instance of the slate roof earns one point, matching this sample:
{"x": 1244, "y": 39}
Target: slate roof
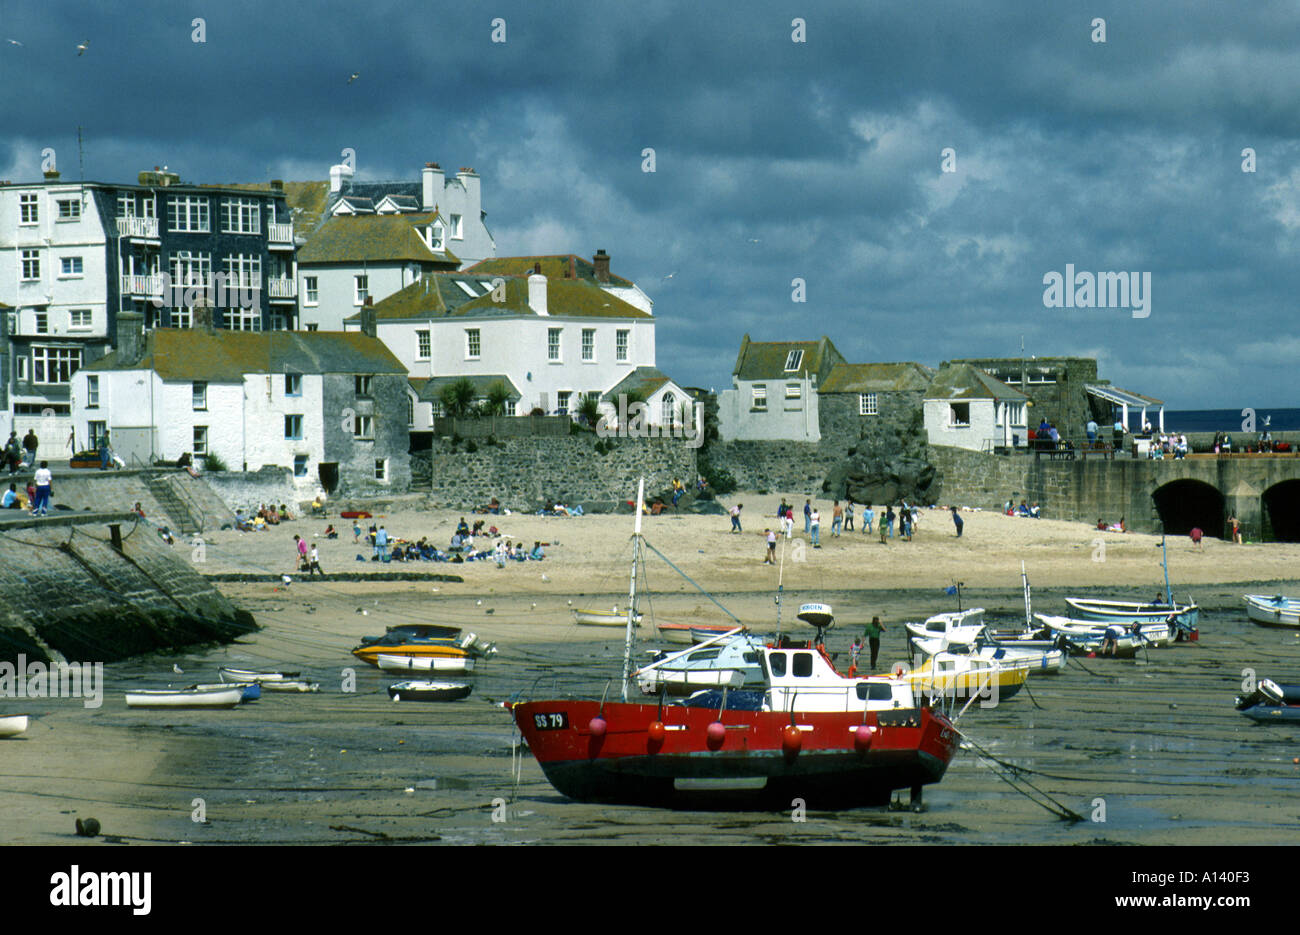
{"x": 374, "y": 238}
{"x": 876, "y": 378}
{"x": 359, "y": 205}
{"x": 962, "y": 381}
{"x": 557, "y": 266}
{"x": 435, "y": 295}
{"x": 432, "y": 390}
{"x": 180, "y": 354}
{"x": 578, "y": 298}
{"x": 401, "y": 202}
{"x": 643, "y": 381}
{"x": 765, "y": 360}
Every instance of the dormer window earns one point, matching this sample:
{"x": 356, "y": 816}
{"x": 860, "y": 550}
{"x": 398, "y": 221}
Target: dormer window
{"x": 435, "y": 237}
{"x": 793, "y": 361}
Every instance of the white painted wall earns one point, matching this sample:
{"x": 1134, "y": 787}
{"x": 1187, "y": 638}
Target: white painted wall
{"x": 337, "y": 290}
{"x": 791, "y": 420}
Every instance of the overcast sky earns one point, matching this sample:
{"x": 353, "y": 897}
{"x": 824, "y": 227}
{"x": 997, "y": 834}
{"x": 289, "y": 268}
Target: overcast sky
{"x": 774, "y": 159}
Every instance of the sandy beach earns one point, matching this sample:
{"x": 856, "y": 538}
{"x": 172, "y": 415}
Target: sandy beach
{"x": 1156, "y": 738}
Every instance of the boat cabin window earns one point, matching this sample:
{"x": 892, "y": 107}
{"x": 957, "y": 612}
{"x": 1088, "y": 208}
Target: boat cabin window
{"x": 874, "y": 691}
{"x": 704, "y": 654}
{"x": 752, "y": 658}
{"x": 777, "y": 661}
{"x": 947, "y": 665}
{"x": 802, "y": 665}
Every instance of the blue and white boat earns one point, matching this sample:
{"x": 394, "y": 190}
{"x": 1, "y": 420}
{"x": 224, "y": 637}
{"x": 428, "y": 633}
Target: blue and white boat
{"x": 1271, "y": 702}
{"x": 1181, "y": 617}
{"x": 732, "y": 660}
{"x": 1277, "y": 611}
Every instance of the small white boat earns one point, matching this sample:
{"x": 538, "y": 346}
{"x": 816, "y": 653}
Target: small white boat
{"x": 415, "y": 690}
{"x": 251, "y": 690}
{"x": 960, "y": 626}
{"x": 1277, "y": 611}
{"x": 688, "y": 634}
{"x": 230, "y": 674}
{"x": 185, "y": 698}
{"x": 13, "y": 725}
{"x": 290, "y": 686}
{"x": 1122, "y": 612}
{"x": 1153, "y": 634}
{"x": 391, "y": 663}
{"x": 1038, "y": 660}
{"x": 603, "y": 618}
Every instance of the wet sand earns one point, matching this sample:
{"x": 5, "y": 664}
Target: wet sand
{"x": 1157, "y": 738}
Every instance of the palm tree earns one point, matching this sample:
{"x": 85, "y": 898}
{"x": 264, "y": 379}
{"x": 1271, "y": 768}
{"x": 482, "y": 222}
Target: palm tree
{"x": 458, "y": 398}
{"x": 589, "y": 409}
{"x": 497, "y": 397}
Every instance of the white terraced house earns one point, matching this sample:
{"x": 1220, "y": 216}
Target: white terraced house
{"x": 73, "y": 255}
{"x": 549, "y": 340}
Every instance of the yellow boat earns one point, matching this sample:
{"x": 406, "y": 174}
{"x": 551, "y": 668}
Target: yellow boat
{"x": 960, "y": 678}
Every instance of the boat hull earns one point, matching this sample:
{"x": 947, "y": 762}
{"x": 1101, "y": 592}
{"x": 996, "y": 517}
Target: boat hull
{"x": 749, "y": 767}
{"x": 602, "y": 618}
{"x": 13, "y": 725}
{"x": 1184, "y": 615}
{"x": 373, "y": 653}
{"x": 228, "y": 698}
{"x": 393, "y": 663}
{"x": 429, "y": 691}
{"x": 1281, "y": 612}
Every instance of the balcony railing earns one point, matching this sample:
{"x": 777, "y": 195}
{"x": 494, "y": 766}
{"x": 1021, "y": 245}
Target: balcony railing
{"x": 280, "y": 233}
{"x": 138, "y": 227}
{"x": 142, "y": 285}
{"x": 282, "y": 288}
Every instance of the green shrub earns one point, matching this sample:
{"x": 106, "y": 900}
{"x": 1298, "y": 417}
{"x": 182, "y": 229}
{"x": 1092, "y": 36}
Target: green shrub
{"x": 213, "y": 463}
{"x": 470, "y": 446}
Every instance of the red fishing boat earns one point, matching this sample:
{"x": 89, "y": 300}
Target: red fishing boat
{"x": 813, "y": 734}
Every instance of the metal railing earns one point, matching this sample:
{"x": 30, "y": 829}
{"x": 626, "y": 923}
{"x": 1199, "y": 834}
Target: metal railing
{"x": 279, "y": 233}
{"x": 151, "y": 285}
{"x": 282, "y": 288}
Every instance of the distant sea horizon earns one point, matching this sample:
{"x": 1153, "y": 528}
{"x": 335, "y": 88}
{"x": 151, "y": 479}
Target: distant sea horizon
{"x": 1227, "y": 420}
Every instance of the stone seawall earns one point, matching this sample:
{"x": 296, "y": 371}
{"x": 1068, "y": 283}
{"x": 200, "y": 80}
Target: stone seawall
{"x": 523, "y": 472}
{"x": 787, "y": 467}
{"x": 67, "y": 594}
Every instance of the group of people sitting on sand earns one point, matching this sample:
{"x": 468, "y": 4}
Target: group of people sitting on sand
{"x": 1023, "y": 510}
{"x": 559, "y": 509}
{"x": 266, "y": 515}
{"x": 1112, "y": 527}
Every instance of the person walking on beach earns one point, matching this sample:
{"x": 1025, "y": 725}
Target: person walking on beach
{"x": 787, "y": 521}
{"x": 735, "y": 517}
{"x": 868, "y": 517}
{"x": 1196, "y": 537}
{"x": 848, "y": 516}
{"x": 1236, "y": 528}
{"x": 44, "y": 485}
{"x": 807, "y": 516}
{"x": 381, "y": 545}
{"x": 889, "y": 520}
{"x": 837, "y": 519}
{"x": 300, "y": 548}
{"x": 872, "y": 632}
{"x": 815, "y": 529}
{"x": 956, "y": 521}
{"x": 771, "y": 547}
{"x": 314, "y": 567}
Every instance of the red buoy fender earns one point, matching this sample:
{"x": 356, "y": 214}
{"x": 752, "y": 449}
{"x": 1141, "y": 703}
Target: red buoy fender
{"x": 791, "y": 739}
{"x": 862, "y": 738}
{"x": 715, "y": 735}
{"x": 598, "y": 726}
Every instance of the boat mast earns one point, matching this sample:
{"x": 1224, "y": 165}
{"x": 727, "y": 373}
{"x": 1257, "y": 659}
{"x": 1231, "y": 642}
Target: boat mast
{"x": 631, "y": 593}
{"x": 780, "y": 586}
{"x": 1025, "y": 580}
{"x": 1164, "y": 560}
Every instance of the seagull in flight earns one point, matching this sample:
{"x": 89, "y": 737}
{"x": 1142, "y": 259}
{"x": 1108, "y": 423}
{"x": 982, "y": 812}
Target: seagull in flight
{"x": 354, "y": 76}
{"x": 81, "y": 49}
{"x": 669, "y": 276}
{"x": 13, "y": 42}
{"x": 752, "y": 240}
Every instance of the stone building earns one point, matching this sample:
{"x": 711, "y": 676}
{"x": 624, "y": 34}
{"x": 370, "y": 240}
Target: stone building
{"x": 1057, "y": 388}
{"x": 859, "y": 401}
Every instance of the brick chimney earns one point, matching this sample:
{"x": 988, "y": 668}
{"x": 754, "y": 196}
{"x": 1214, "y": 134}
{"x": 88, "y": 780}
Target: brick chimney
{"x": 203, "y": 315}
{"x": 130, "y": 337}
{"x": 537, "y": 290}
{"x": 601, "y": 262}
{"x": 368, "y": 324}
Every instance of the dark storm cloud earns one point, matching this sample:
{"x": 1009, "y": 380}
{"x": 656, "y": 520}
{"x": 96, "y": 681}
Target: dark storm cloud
{"x": 775, "y": 159}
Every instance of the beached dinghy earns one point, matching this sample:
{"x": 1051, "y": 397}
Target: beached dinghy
{"x": 228, "y": 697}
{"x": 1277, "y": 611}
{"x": 603, "y": 618}
{"x": 252, "y": 690}
{"x": 687, "y": 634}
{"x": 230, "y": 674}
{"x": 1039, "y": 659}
{"x": 415, "y": 690}
{"x": 291, "y": 686}
{"x": 1126, "y": 612}
{"x": 12, "y": 725}
{"x": 393, "y": 663}
{"x": 1152, "y": 634}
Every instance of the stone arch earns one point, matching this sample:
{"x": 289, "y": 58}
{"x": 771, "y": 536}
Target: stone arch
{"x": 1182, "y": 504}
{"x": 1281, "y": 504}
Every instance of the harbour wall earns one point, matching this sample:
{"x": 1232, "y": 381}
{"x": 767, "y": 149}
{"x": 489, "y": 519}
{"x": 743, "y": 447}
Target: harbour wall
{"x": 68, "y": 594}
